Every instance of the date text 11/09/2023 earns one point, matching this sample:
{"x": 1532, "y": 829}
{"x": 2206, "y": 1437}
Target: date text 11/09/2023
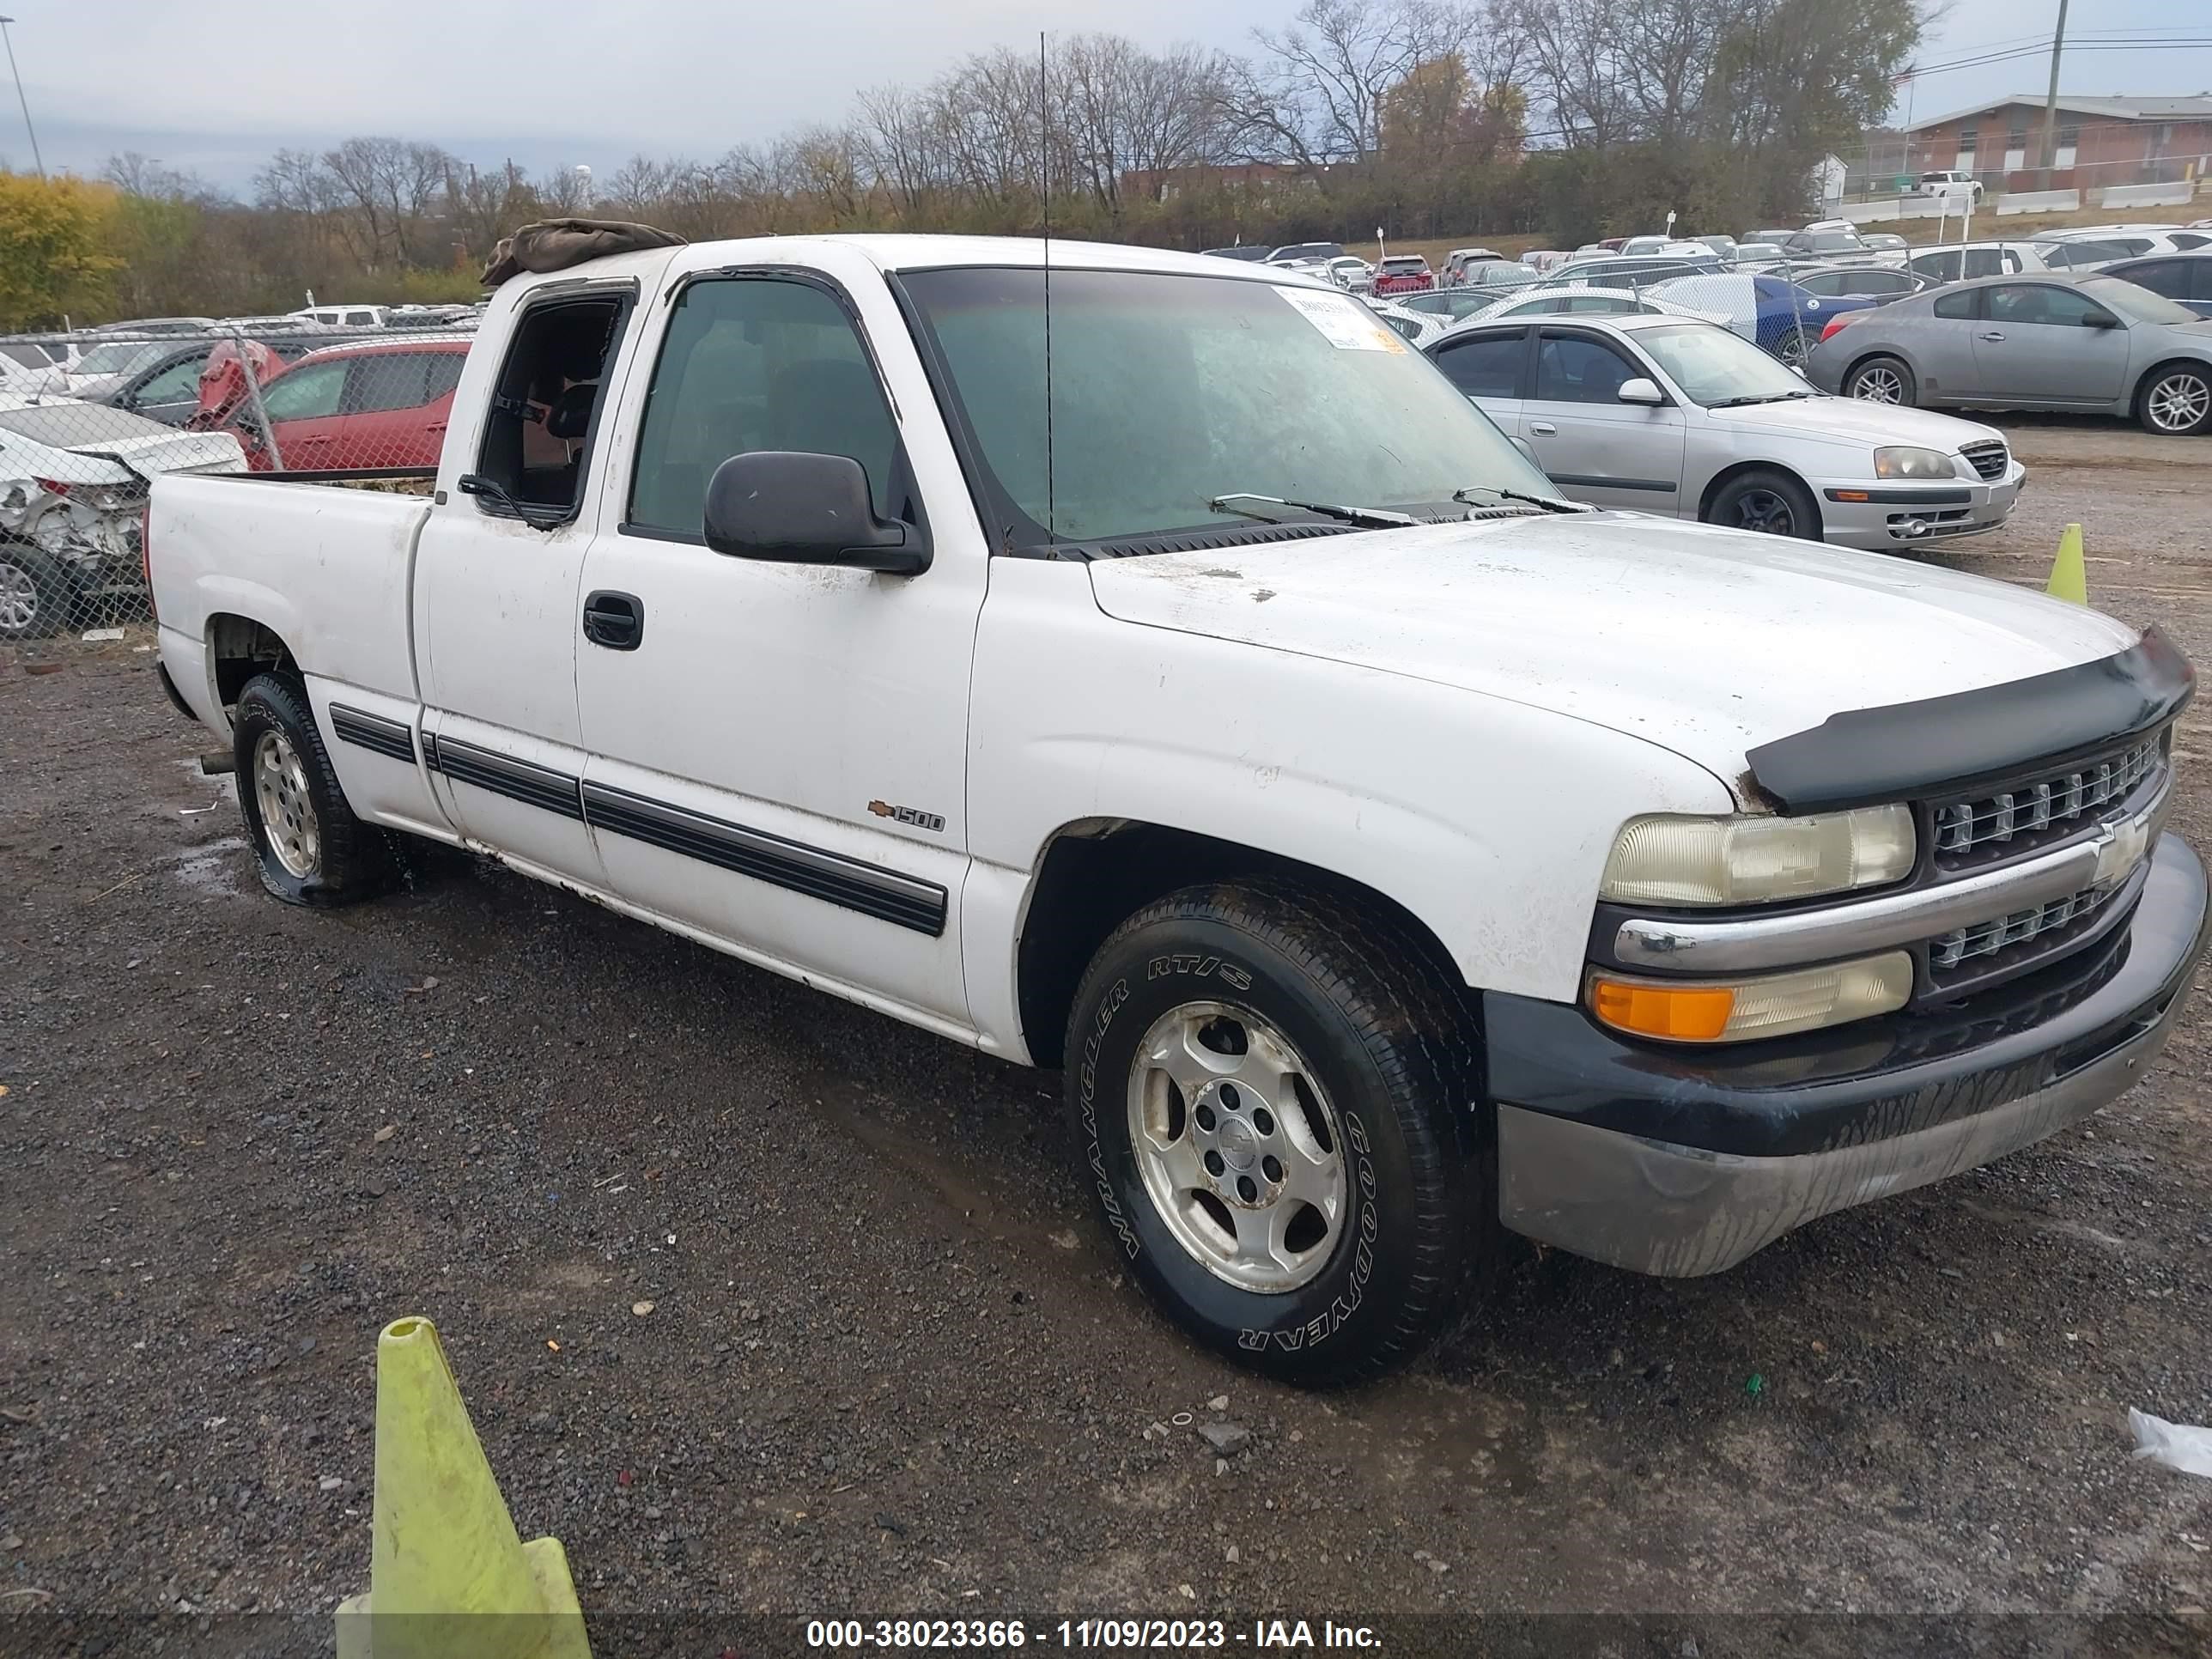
{"x": 1261, "y": 1634}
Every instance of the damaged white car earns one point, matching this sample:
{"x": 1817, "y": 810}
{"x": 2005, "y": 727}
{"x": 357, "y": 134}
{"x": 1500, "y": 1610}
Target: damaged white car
{"x": 73, "y": 483}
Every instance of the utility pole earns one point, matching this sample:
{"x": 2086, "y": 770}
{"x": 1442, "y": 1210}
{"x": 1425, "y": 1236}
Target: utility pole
{"x": 39, "y": 160}
{"x": 2050, "y": 99}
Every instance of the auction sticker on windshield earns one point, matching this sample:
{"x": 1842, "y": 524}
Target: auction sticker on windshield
{"x": 1343, "y": 321}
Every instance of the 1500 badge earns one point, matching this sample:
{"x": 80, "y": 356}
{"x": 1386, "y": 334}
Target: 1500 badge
{"x": 929, "y": 821}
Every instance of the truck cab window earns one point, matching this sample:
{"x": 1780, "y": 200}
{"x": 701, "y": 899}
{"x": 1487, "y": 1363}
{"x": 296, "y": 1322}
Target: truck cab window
{"x": 752, "y": 363}
{"x": 547, "y": 403}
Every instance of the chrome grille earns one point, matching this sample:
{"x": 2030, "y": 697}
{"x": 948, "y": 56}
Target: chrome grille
{"x": 1986, "y": 938}
{"x": 2040, "y": 810}
{"x": 1989, "y": 459}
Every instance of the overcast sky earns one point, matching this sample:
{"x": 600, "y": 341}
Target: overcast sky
{"x": 214, "y": 86}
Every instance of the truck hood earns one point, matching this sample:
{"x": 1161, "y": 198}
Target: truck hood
{"x": 1858, "y": 424}
{"x": 1706, "y": 642}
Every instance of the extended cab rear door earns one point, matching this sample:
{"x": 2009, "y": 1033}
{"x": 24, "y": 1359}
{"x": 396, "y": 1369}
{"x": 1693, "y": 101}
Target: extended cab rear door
{"x": 500, "y": 561}
{"x": 776, "y": 753}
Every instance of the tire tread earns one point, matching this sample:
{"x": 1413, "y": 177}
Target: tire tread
{"x": 1413, "y": 1019}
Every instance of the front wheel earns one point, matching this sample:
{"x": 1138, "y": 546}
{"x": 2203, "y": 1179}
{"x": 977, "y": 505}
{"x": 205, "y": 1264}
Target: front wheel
{"x": 2177, "y": 400}
{"x": 1273, "y": 1092}
{"x": 310, "y": 847}
{"x": 1793, "y": 347}
{"x": 1767, "y": 500}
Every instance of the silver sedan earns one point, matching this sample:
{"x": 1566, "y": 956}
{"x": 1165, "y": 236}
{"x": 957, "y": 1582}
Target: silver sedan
{"x": 2097, "y": 344}
{"x": 1671, "y": 416}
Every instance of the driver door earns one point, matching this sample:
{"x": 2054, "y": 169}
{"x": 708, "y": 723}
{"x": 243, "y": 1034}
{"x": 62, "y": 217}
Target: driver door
{"x": 1596, "y": 448}
{"x": 777, "y": 752}
{"x": 2044, "y": 343}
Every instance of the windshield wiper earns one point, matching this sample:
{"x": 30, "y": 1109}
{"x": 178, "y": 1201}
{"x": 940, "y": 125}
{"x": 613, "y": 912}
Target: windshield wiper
{"x": 1374, "y": 518}
{"x": 1761, "y": 397}
{"x": 1549, "y": 503}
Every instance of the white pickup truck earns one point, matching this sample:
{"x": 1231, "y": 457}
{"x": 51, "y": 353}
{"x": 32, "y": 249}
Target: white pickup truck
{"x": 1431, "y": 856}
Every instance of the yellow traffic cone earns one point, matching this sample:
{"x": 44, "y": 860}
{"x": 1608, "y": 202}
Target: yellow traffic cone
{"x": 448, "y": 1578}
{"x": 2069, "y": 576}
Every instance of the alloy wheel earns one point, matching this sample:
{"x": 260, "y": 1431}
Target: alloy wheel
{"x": 1764, "y": 510}
{"x": 1239, "y": 1148}
{"x": 2178, "y": 402}
{"x": 287, "y": 811}
{"x": 1878, "y": 384}
{"x": 19, "y": 600}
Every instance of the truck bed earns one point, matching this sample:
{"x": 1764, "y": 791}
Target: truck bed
{"x": 328, "y": 570}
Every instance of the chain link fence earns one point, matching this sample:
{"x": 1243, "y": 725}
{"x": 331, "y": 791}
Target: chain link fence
{"x": 90, "y": 419}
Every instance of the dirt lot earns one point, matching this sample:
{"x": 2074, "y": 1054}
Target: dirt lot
{"x": 888, "y": 1370}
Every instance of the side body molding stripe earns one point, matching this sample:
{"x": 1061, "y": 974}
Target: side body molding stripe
{"x": 502, "y": 774}
{"x": 850, "y": 884}
{"x": 374, "y": 733}
{"x": 830, "y": 877}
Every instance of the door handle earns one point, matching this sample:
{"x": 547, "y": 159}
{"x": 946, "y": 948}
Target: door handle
{"x": 1993, "y": 334}
{"x": 614, "y": 620}
{"x": 1543, "y": 429}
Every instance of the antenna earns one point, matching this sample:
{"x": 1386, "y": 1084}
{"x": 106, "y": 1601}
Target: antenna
{"x": 1044, "y": 197}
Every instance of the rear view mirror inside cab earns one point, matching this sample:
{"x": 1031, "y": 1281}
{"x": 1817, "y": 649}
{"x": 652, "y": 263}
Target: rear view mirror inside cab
{"x": 546, "y": 406}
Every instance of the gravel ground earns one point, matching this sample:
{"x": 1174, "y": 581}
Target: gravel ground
{"x": 764, "y": 1304}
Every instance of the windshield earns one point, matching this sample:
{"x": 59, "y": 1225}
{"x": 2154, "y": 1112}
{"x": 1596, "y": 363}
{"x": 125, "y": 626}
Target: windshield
{"x": 1170, "y": 390}
{"x": 2137, "y": 303}
{"x": 73, "y": 425}
{"x": 121, "y": 358}
{"x": 1713, "y": 367}
{"x": 1834, "y": 241}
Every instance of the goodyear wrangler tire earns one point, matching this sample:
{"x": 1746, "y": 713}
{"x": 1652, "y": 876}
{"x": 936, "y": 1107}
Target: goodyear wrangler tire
{"x": 1273, "y": 1097}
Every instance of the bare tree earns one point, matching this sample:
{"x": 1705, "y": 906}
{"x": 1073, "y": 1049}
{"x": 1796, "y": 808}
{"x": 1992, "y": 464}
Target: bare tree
{"x": 1313, "y": 95}
{"x": 137, "y": 174}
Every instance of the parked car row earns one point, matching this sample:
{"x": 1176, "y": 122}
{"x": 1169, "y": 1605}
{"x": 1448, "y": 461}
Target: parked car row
{"x": 87, "y": 420}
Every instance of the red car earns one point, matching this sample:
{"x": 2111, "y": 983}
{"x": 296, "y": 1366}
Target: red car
{"x": 1403, "y": 273}
{"x": 368, "y": 403}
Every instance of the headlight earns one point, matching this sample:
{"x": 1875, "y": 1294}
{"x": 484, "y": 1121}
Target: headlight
{"x": 1667, "y": 859}
{"x": 1737, "y": 1011}
{"x": 1913, "y": 463}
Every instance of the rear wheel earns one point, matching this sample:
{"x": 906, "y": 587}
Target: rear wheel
{"x": 1767, "y": 500}
{"x": 32, "y": 595}
{"x": 2177, "y": 400}
{"x": 1881, "y": 380}
{"x": 1272, "y": 1091}
{"x": 1793, "y": 347}
{"x": 310, "y": 847}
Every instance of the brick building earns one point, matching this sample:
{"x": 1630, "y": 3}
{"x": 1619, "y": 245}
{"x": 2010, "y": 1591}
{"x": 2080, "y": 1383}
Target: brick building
{"x": 2102, "y": 141}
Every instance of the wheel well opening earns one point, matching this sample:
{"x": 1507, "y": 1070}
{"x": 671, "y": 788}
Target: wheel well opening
{"x": 240, "y": 648}
{"x": 1728, "y": 474}
{"x": 1095, "y": 875}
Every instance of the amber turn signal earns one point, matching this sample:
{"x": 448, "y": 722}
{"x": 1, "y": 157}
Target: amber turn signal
{"x": 1696, "y": 1013}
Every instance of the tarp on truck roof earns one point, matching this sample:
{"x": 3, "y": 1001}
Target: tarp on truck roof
{"x": 556, "y": 244}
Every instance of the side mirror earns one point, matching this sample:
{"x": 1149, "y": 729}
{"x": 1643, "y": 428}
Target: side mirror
{"x": 2099, "y": 319}
{"x": 791, "y": 507}
{"x": 1641, "y": 390}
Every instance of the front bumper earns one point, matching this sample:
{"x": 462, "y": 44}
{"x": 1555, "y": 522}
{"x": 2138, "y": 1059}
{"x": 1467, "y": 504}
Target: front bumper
{"x": 1898, "y": 515}
{"x": 1680, "y": 1164}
